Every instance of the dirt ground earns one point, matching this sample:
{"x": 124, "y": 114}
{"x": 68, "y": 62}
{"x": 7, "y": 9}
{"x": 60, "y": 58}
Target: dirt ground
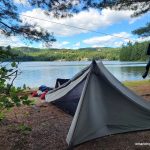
{"x": 44, "y": 127}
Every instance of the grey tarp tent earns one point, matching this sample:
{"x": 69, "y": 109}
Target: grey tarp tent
{"x": 101, "y": 105}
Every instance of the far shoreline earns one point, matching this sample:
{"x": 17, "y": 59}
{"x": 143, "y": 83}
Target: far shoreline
{"x": 131, "y": 84}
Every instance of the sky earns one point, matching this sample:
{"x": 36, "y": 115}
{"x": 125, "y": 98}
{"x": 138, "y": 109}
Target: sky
{"x": 110, "y": 28}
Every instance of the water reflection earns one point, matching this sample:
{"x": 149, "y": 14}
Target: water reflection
{"x": 124, "y": 73}
{"x": 35, "y": 74}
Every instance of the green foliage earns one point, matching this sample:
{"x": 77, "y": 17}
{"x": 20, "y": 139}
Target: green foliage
{"x": 24, "y": 86}
{"x": 130, "y": 52}
{"x": 13, "y": 64}
{"x": 10, "y": 96}
{"x": 138, "y": 7}
{"x": 136, "y": 83}
{"x": 2, "y": 116}
{"x": 11, "y": 24}
{"x": 34, "y": 54}
{"x": 134, "y": 52}
{"x": 143, "y": 31}
{"x": 24, "y": 128}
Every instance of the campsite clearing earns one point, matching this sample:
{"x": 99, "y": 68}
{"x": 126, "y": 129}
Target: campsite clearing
{"x": 45, "y": 127}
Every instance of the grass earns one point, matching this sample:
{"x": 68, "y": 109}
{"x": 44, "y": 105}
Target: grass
{"x": 2, "y": 116}
{"x": 24, "y": 128}
{"x": 136, "y": 83}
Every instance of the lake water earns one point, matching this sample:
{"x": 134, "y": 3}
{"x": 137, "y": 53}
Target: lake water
{"x": 35, "y": 74}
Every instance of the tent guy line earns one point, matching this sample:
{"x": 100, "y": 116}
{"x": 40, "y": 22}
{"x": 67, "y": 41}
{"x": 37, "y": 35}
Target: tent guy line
{"x": 81, "y": 28}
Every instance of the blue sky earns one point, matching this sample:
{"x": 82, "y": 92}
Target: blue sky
{"x": 117, "y": 23}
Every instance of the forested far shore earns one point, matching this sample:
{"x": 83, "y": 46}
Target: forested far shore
{"x": 129, "y": 52}
{"x": 134, "y": 52}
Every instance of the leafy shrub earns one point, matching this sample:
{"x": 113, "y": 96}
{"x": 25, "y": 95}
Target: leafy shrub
{"x": 10, "y": 96}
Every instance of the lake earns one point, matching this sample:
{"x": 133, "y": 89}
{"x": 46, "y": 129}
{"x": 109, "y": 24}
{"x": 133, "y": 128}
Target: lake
{"x": 35, "y": 74}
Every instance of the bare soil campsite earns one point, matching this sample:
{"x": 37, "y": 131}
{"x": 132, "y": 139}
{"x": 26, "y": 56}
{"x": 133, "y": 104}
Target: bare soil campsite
{"x": 44, "y": 126}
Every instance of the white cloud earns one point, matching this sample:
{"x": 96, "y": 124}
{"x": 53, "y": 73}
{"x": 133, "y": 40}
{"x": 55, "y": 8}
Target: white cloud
{"x": 58, "y": 44}
{"x": 13, "y": 41}
{"x": 114, "y": 40}
{"x": 142, "y": 39}
{"x": 65, "y": 42}
{"x": 77, "y": 44}
{"x": 90, "y": 20}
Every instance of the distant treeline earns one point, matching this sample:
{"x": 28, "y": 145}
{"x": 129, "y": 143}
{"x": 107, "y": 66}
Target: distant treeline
{"x": 130, "y": 52}
{"x": 134, "y": 52}
{"x": 32, "y": 54}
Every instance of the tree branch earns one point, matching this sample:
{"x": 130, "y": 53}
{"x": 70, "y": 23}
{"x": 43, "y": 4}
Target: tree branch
{"x": 16, "y": 73}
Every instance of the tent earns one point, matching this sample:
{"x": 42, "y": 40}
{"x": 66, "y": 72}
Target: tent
{"x": 60, "y": 81}
{"x": 100, "y": 105}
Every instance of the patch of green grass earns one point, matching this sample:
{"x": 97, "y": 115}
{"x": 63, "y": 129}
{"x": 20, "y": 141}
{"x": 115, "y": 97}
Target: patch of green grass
{"x": 24, "y": 128}
{"x": 136, "y": 83}
{"x": 2, "y": 116}
{"x": 33, "y": 102}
